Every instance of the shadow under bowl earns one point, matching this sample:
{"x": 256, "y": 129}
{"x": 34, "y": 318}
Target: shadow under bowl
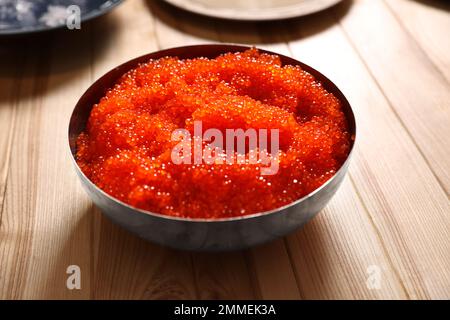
{"x": 204, "y": 234}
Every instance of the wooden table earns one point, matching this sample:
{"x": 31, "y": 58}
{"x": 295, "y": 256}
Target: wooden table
{"x": 386, "y": 234}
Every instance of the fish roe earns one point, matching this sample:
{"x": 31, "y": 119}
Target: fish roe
{"x": 126, "y": 148}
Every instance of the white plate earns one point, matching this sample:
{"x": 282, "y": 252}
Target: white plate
{"x": 254, "y": 10}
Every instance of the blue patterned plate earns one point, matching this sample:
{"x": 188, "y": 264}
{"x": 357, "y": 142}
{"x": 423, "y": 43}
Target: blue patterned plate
{"x": 26, "y": 16}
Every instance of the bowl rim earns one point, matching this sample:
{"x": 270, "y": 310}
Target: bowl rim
{"x": 133, "y": 63}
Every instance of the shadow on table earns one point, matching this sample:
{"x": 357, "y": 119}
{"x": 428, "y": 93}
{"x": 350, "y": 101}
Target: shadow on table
{"x": 131, "y": 268}
{"x": 37, "y": 57}
{"x": 439, "y": 4}
{"x": 264, "y": 32}
{"x": 115, "y": 264}
{"x": 118, "y": 265}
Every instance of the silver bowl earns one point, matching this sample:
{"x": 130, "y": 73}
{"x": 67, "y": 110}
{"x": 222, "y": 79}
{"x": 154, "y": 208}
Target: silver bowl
{"x": 204, "y": 234}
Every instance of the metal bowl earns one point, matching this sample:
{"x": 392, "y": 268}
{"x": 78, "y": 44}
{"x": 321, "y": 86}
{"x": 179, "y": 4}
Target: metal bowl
{"x": 204, "y": 234}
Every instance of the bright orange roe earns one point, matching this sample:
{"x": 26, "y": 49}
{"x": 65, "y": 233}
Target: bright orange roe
{"x": 126, "y": 149}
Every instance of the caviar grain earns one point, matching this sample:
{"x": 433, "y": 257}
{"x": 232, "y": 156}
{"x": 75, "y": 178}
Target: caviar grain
{"x": 126, "y": 148}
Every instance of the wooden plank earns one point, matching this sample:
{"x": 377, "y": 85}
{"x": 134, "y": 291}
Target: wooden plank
{"x": 406, "y": 205}
{"x": 9, "y": 69}
{"x": 418, "y": 93}
{"x": 131, "y": 268}
{"x": 335, "y": 253}
{"x": 18, "y": 214}
{"x": 122, "y": 35}
{"x": 60, "y": 235}
{"x": 332, "y": 253}
{"x": 274, "y": 273}
{"x": 223, "y": 276}
{"x": 427, "y": 22}
{"x": 174, "y": 28}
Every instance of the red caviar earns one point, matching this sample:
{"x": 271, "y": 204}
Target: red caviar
{"x": 126, "y": 149}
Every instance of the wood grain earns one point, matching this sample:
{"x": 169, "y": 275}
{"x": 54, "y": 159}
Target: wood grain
{"x": 427, "y": 23}
{"x": 397, "y": 203}
{"x": 7, "y": 114}
{"x": 391, "y": 213}
{"x": 20, "y": 195}
{"x": 416, "y": 90}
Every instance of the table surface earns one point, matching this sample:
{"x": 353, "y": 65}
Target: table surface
{"x": 384, "y": 235}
